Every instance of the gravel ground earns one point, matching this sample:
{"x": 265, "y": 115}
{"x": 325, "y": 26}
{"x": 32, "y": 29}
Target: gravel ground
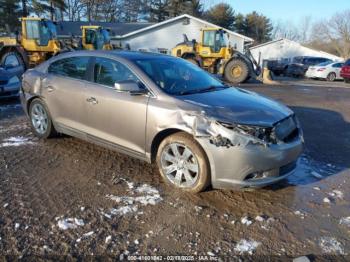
{"x": 64, "y": 197}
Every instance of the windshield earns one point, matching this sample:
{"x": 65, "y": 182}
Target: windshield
{"x": 42, "y": 31}
{"x": 177, "y": 76}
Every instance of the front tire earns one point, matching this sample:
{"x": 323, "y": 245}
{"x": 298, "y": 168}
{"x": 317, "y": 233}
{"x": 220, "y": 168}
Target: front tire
{"x": 183, "y": 163}
{"x": 40, "y": 119}
{"x": 236, "y": 71}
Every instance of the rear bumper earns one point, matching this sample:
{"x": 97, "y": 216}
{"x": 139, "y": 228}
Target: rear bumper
{"x": 252, "y": 166}
{"x": 313, "y": 74}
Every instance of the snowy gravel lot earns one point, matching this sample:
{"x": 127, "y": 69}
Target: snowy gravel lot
{"x": 65, "y": 197}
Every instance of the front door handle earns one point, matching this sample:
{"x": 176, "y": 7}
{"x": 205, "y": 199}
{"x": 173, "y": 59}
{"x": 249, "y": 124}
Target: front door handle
{"x": 92, "y": 100}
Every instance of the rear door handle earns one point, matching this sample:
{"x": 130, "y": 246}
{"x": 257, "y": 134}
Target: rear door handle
{"x": 92, "y": 100}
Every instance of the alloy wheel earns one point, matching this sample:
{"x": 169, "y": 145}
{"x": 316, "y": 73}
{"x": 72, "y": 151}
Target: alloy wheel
{"x": 180, "y": 165}
{"x": 39, "y": 119}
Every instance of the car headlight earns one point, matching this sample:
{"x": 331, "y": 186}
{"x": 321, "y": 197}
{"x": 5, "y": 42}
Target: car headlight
{"x": 13, "y": 80}
{"x": 265, "y": 134}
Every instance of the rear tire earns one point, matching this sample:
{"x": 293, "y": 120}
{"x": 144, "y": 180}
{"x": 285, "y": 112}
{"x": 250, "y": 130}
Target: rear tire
{"x": 331, "y": 77}
{"x": 236, "y": 71}
{"x": 183, "y": 163}
{"x": 40, "y": 119}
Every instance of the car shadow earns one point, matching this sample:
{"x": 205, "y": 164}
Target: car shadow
{"x": 327, "y": 146}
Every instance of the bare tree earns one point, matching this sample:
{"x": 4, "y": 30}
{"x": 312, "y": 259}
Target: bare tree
{"x": 335, "y": 32}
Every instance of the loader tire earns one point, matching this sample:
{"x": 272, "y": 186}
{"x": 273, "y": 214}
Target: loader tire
{"x": 236, "y": 71}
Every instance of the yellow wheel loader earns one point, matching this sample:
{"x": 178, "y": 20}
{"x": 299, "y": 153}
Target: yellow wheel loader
{"x": 215, "y": 55}
{"x": 36, "y": 42}
{"x": 95, "y": 38}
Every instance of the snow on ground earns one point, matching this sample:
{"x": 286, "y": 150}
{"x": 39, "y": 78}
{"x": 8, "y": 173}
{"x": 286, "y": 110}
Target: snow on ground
{"x": 246, "y": 246}
{"x": 246, "y": 221}
{"x": 69, "y": 223}
{"x": 15, "y": 141}
{"x": 345, "y": 221}
{"x": 143, "y": 195}
{"x": 331, "y": 245}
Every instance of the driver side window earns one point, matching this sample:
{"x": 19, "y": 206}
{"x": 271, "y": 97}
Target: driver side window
{"x": 108, "y": 72}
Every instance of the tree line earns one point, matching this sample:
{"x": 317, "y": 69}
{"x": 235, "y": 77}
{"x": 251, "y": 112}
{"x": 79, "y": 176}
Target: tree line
{"x": 332, "y": 35}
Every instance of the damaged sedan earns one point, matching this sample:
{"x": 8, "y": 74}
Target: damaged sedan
{"x": 165, "y": 110}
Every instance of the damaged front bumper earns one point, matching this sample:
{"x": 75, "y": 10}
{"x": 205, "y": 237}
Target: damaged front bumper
{"x": 252, "y": 165}
{"x": 238, "y": 157}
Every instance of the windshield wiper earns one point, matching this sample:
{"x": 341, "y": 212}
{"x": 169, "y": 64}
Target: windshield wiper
{"x": 202, "y": 90}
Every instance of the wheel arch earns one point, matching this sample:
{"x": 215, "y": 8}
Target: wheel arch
{"x": 159, "y": 138}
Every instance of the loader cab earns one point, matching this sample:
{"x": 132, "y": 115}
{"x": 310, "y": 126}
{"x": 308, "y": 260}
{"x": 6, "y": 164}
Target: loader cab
{"x": 38, "y": 34}
{"x": 95, "y": 38}
{"x": 214, "y": 42}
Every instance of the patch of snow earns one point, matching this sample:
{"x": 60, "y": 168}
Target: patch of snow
{"x": 108, "y": 239}
{"x": 69, "y": 223}
{"x": 123, "y": 210}
{"x": 317, "y": 188}
{"x": 246, "y": 221}
{"x": 331, "y": 245}
{"x": 259, "y": 218}
{"x": 82, "y": 209}
{"x": 337, "y": 194}
{"x": 141, "y": 196}
{"x": 5, "y": 205}
{"x": 326, "y": 200}
{"x": 299, "y": 213}
{"x": 98, "y": 183}
{"x": 198, "y": 208}
{"x": 209, "y": 253}
{"x": 345, "y": 221}
{"x": 246, "y": 246}
{"x": 301, "y": 259}
{"x": 88, "y": 234}
{"x": 233, "y": 222}
{"x": 17, "y": 226}
{"x": 136, "y": 242}
{"x": 15, "y": 141}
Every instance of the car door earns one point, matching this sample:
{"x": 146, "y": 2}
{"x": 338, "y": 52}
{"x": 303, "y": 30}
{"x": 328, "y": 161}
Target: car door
{"x": 116, "y": 118}
{"x": 63, "y": 89}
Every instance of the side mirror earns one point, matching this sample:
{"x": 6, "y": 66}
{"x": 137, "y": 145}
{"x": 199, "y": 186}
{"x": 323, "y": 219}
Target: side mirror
{"x": 130, "y": 86}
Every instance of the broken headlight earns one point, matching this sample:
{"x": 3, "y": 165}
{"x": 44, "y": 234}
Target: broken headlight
{"x": 264, "y": 134}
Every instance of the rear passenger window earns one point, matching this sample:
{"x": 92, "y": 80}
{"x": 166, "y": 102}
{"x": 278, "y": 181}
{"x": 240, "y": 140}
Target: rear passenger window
{"x": 74, "y": 67}
{"x": 108, "y": 72}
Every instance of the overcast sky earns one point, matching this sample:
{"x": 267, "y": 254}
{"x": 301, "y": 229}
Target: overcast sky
{"x": 289, "y": 10}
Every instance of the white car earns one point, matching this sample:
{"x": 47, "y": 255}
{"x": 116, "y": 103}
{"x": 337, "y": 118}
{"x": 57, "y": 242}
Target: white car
{"x": 326, "y": 70}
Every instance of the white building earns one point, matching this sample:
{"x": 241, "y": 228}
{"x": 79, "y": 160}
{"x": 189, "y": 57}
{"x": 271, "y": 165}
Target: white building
{"x": 285, "y": 50}
{"x": 163, "y": 36}
{"x": 153, "y": 37}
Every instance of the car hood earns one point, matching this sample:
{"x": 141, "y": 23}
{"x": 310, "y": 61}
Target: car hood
{"x": 235, "y": 105}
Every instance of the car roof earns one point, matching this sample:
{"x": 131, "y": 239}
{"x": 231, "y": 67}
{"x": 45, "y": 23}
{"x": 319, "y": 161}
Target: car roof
{"x": 119, "y": 53}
